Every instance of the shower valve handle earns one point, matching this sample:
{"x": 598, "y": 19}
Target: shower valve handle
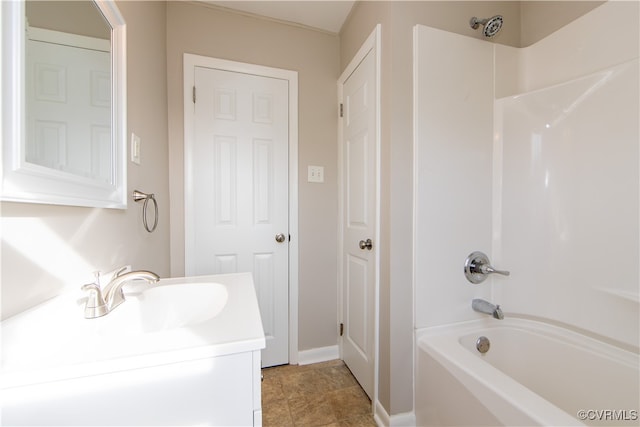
{"x": 487, "y": 269}
{"x": 477, "y": 267}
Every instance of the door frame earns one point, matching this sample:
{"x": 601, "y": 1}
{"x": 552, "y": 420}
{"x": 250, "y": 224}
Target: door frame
{"x": 373, "y": 42}
{"x": 190, "y": 61}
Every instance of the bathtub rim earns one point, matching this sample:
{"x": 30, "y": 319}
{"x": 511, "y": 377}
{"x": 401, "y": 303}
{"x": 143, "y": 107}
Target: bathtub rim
{"x": 602, "y": 339}
{"x": 616, "y": 349}
{"x": 442, "y": 343}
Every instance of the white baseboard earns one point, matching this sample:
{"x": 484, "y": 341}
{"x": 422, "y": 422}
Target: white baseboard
{"x": 380, "y": 415}
{"x": 317, "y": 355}
{"x": 382, "y": 418}
{"x": 405, "y": 419}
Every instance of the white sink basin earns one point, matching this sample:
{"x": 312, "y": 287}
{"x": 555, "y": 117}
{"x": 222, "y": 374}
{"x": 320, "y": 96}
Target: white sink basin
{"x": 160, "y": 307}
{"x": 178, "y": 344}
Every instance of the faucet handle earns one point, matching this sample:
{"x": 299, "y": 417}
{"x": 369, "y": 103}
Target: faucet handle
{"x": 97, "y": 275}
{"x": 95, "y": 305}
{"x": 477, "y": 267}
{"x": 487, "y": 269}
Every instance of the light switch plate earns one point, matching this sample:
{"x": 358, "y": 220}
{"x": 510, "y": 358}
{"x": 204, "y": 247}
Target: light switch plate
{"x": 315, "y": 174}
{"x": 135, "y": 148}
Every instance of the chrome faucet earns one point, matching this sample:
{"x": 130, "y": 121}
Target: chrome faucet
{"x": 482, "y": 306}
{"x": 101, "y": 302}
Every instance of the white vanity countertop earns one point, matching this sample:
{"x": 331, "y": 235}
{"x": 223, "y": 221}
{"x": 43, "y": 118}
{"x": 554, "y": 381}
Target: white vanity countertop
{"x": 53, "y": 341}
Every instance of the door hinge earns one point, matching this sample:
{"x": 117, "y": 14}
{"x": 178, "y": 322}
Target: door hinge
{"x": 341, "y": 110}
{"x": 194, "y": 94}
{"x": 341, "y": 329}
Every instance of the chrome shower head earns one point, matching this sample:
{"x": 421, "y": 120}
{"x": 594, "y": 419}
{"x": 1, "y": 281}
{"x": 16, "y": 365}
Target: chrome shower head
{"x": 491, "y": 25}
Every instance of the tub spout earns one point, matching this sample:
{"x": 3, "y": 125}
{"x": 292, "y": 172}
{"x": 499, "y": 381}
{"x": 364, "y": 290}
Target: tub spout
{"x": 482, "y": 306}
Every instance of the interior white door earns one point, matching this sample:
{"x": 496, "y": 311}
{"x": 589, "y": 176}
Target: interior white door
{"x": 236, "y": 197}
{"x": 359, "y": 220}
{"x": 68, "y": 110}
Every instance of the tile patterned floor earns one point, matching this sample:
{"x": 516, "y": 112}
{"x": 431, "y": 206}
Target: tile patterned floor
{"x": 322, "y": 394}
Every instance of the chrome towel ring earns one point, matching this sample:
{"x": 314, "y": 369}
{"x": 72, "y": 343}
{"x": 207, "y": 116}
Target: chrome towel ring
{"x": 139, "y": 196}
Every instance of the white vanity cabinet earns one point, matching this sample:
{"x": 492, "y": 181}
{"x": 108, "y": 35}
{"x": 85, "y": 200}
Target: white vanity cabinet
{"x": 235, "y": 398}
{"x": 219, "y": 391}
{"x": 61, "y": 369}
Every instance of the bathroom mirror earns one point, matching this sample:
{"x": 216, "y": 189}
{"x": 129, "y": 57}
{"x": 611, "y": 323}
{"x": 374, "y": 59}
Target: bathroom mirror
{"x": 64, "y": 103}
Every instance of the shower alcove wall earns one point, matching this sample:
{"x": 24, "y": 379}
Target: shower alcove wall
{"x": 538, "y": 166}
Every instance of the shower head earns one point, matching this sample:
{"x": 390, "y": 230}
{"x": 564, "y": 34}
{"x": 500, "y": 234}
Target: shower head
{"x": 491, "y": 25}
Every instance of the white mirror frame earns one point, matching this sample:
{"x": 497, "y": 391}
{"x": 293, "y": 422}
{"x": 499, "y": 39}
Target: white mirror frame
{"x": 26, "y": 182}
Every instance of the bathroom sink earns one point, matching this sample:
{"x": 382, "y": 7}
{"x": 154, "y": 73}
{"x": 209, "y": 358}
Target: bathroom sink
{"x": 189, "y": 346}
{"x": 159, "y": 307}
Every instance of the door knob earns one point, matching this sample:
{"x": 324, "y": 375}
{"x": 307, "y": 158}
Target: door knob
{"x": 280, "y": 237}
{"x": 366, "y": 244}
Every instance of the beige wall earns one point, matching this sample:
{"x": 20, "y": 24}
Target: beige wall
{"x": 76, "y": 17}
{"x": 48, "y": 249}
{"x": 214, "y": 32}
{"x": 541, "y": 18}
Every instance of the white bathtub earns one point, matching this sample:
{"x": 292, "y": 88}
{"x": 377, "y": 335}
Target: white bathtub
{"x": 533, "y": 374}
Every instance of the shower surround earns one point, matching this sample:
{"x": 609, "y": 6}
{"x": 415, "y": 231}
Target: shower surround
{"x": 532, "y": 156}
{"x": 536, "y": 165}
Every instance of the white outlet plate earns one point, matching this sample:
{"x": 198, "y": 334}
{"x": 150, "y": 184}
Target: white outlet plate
{"x": 135, "y": 148}
{"x": 315, "y": 174}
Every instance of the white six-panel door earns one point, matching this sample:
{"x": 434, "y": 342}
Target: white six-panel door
{"x": 236, "y": 198}
{"x": 359, "y": 210}
{"x": 68, "y": 91}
